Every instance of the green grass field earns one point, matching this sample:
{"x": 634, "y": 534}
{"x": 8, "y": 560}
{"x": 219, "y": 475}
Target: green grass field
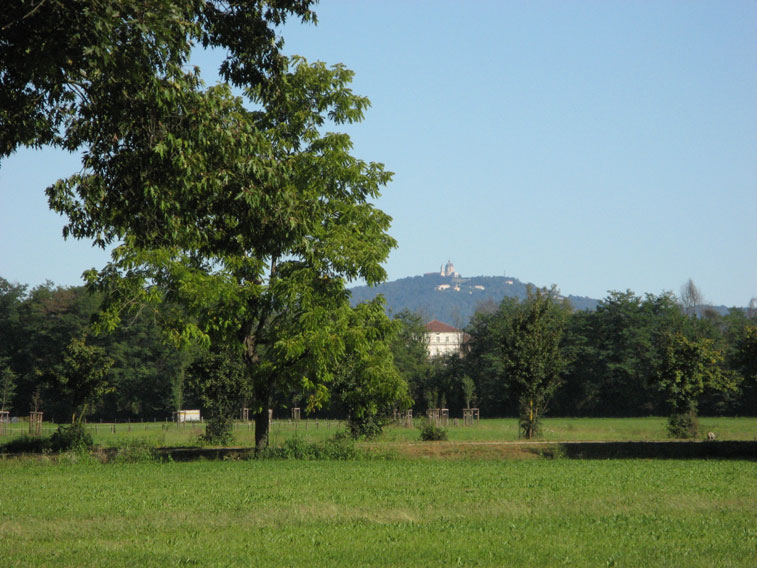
{"x": 379, "y": 513}
{"x": 488, "y": 430}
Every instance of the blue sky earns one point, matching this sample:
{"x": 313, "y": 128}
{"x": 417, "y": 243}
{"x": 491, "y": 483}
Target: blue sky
{"x": 593, "y": 145}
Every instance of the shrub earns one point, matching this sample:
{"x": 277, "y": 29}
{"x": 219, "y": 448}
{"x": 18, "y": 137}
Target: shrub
{"x": 135, "y": 451}
{"x": 368, "y": 427}
{"x": 73, "y": 437}
{"x": 432, "y": 433}
{"x": 339, "y": 447}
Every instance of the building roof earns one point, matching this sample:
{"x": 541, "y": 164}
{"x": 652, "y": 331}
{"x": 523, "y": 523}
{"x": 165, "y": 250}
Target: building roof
{"x": 435, "y": 326}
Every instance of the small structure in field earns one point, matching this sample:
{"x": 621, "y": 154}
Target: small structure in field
{"x": 245, "y": 415}
{"x": 404, "y": 418}
{"x": 470, "y": 416}
{"x": 35, "y": 423}
{"x": 296, "y": 414}
{"x": 434, "y": 415}
{"x": 444, "y": 417}
{"x": 181, "y": 416}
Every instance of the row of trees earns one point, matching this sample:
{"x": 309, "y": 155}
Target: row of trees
{"x": 632, "y": 356}
{"x": 51, "y": 360}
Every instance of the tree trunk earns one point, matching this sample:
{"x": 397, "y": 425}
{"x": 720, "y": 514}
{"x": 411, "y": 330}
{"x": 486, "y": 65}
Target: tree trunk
{"x": 261, "y": 392}
{"x": 263, "y": 402}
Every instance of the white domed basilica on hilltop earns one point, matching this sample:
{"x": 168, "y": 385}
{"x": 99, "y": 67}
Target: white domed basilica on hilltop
{"x": 448, "y": 270}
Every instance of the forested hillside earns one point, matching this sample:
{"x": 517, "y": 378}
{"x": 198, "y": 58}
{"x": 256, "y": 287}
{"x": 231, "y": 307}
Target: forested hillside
{"x": 453, "y": 300}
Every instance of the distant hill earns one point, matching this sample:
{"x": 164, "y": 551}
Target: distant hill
{"x": 451, "y": 299}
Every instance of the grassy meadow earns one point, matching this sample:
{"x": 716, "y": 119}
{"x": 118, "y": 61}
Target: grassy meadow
{"x": 79, "y": 512}
{"x": 487, "y": 430}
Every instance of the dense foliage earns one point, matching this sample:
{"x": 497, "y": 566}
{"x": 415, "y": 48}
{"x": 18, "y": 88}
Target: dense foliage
{"x": 616, "y": 357}
{"x": 615, "y": 360}
{"x": 241, "y": 210}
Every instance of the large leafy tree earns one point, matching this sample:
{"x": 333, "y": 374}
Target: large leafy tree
{"x": 269, "y": 227}
{"x": 247, "y": 213}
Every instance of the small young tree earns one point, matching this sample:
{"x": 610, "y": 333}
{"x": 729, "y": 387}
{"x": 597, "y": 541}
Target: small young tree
{"x": 531, "y": 356}
{"x": 84, "y": 377}
{"x": 7, "y": 385}
{"x": 469, "y": 390}
{"x": 221, "y": 383}
{"x": 367, "y": 384}
{"x": 688, "y": 367}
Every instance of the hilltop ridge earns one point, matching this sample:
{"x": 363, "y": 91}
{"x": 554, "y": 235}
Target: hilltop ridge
{"x": 449, "y": 297}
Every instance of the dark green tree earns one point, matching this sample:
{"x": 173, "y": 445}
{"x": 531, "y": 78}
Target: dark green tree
{"x": 688, "y": 367}
{"x": 220, "y": 382}
{"x": 49, "y": 318}
{"x": 745, "y": 362}
{"x": 367, "y": 385}
{"x": 7, "y": 384}
{"x": 614, "y": 355}
{"x": 519, "y": 346}
{"x": 746, "y": 349}
{"x": 410, "y": 351}
{"x": 83, "y": 377}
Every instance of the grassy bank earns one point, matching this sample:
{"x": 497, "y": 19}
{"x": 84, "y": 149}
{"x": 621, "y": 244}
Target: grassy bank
{"x": 379, "y": 513}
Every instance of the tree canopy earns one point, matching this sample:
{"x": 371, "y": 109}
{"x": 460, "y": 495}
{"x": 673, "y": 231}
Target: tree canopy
{"x": 245, "y": 211}
{"x": 73, "y": 71}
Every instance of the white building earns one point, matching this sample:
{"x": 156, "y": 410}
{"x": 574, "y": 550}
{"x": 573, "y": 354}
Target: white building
{"x": 443, "y": 339}
{"x": 448, "y": 270}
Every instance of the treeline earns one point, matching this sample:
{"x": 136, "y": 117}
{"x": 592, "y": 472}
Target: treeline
{"x": 37, "y": 326}
{"x": 609, "y": 362}
{"x": 52, "y": 361}
{"x": 612, "y": 360}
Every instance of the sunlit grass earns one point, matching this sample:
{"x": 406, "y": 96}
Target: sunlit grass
{"x": 487, "y": 430}
{"x": 379, "y": 513}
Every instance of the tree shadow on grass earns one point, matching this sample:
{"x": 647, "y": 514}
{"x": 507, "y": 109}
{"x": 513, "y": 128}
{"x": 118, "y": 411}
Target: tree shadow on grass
{"x": 727, "y": 450}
